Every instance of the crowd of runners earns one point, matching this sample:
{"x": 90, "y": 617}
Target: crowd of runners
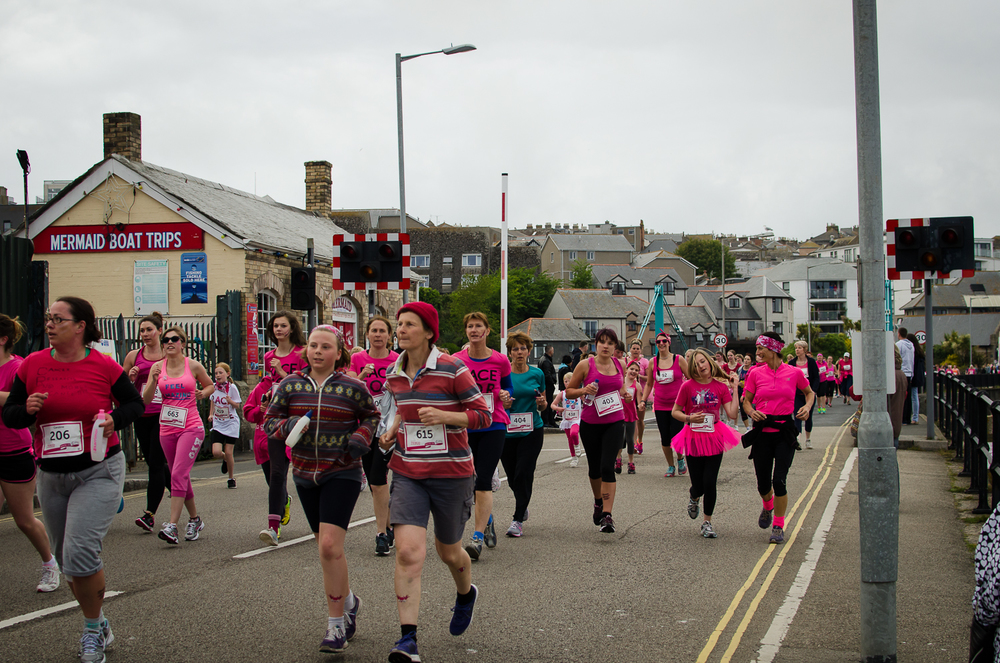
{"x": 343, "y": 418}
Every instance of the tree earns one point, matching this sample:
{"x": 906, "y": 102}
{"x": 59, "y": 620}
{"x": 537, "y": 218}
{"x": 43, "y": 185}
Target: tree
{"x": 955, "y": 351}
{"x": 705, "y": 254}
{"x": 528, "y": 294}
{"x": 582, "y": 276}
{"x": 850, "y": 325}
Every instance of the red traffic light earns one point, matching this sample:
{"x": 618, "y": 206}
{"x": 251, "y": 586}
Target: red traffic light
{"x": 906, "y": 239}
{"x": 949, "y": 237}
{"x": 386, "y": 251}
{"x": 349, "y": 252}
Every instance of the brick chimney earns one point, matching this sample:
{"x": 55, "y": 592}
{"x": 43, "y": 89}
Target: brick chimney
{"x": 123, "y": 135}
{"x": 319, "y": 186}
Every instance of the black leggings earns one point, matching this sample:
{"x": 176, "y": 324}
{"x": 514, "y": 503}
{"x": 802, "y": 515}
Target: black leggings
{"x": 519, "y": 457}
{"x": 704, "y": 478}
{"x": 147, "y": 432}
{"x": 629, "y": 441}
{"x": 668, "y": 427}
{"x": 277, "y": 487}
{"x": 266, "y": 468}
{"x": 771, "y": 460}
{"x": 602, "y": 442}
{"x": 487, "y": 447}
{"x": 800, "y": 400}
{"x": 375, "y": 466}
{"x": 331, "y": 502}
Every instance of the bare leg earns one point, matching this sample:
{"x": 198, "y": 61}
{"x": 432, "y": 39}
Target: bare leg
{"x": 89, "y": 593}
{"x": 411, "y": 550}
{"x": 334, "y": 563}
{"x": 229, "y": 458}
{"x": 780, "y": 505}
{"x": 608, "y": 495}
{"x": 380, "y": 500}
{"x": 458, "y": 562}
{"x": 20, "y": 498}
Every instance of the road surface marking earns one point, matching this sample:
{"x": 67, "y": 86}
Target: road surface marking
{"x": 292, "y": 542}
{"x": 47, "y": 611}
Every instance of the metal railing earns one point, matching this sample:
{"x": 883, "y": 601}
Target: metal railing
{"x": 970, "y": 419}
{"x": 827, "y": 293}
{"x": 202, "y": 333}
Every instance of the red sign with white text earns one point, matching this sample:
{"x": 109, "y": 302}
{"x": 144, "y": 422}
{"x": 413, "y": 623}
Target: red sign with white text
{"x": 105, "y": 239}
{"x": 253, "y": 356}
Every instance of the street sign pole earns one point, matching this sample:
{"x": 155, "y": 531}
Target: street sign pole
{"x": 929, "y": 353}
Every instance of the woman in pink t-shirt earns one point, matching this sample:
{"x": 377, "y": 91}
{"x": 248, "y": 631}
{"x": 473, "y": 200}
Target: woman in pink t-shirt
{"x": 769, "y": 399}
{"x": 635, "y": 354}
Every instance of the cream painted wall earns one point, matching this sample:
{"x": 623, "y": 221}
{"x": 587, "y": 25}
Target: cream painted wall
{"x": 105, "y": 279}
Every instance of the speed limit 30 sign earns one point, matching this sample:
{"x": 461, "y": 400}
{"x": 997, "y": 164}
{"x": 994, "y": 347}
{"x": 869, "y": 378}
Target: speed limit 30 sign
{"x": 720, "y": 340}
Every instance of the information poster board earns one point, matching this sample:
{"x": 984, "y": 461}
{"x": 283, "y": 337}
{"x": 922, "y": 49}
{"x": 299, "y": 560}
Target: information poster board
{"x": 149, "y": 286}
{"x": 194, "y": 278}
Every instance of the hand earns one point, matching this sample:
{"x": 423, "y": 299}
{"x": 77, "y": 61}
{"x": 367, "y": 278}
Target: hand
{"x": 757, "y": 415}
{"x": 626, "y": 394}
{"x": 387, "y": 439}
{"x": 696, "y": 418}
{"x": 133, "y": 373}
{"x": 275, "y": 363}
{"x": 108, "y": 425}
{"x": 365, "y": 372}
{"x": 590, "y": 389}
{"x": 642, "y": 406}
{"x": 35, "y": 401}
{"x": 803, "y": 413}
{"x": 734, "y": 382}
{"x": 154, "y": 372}
{"x": 432, "y": 416}
{"x": 506, "y": 399}
{"x": 200, "y": 393}
{"x": 540, "y": 401}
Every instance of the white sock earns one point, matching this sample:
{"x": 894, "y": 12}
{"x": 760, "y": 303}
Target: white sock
{"x": 350, "y": 601}
{"x": 335, "y": 622}
{"x": 51, "y": 564}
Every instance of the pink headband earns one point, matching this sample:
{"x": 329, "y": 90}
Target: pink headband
{"x": 768, "y": 343}
{"x": 332, "y": 330}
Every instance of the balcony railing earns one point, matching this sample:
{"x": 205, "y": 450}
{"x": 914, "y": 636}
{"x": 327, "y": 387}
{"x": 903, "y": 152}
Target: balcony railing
{"x": 825, "y": 316}
{"x": 827, "y": 293}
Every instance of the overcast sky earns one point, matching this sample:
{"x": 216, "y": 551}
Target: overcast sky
{"x": 728, "y": 116}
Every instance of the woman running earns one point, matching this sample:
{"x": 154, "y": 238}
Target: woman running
{"x": 285, "y": 331}
{"x": 253, "y": 411}
{"x": 664, "y": 376}
{"x": 370, "y": 367}
{"x": 525, "y": 432}
{"x": 846, "y": 371}
{"x": 432, "y": 468}
{"x": 326, "y": 463}
{"x": 569, "y": 408}
{"x": 770, "y": 402}
{"x": 17, "y": 462}
{"x": 181, "y": 429}
{"x": 635, "y": 354}
{"x": 746, "y": 365}
{"x": 491, "y": 371}
{"x": 810, "y": 369}
{"x": 599, "y": 383}
{"x": 824, "y": 383}
{"x": 633, "y": 393}
{"x": 62, "y": 391}
{"x": 705, "y": 437}
{"x": 224, "y": 416}
{"x": 147, "y": 427}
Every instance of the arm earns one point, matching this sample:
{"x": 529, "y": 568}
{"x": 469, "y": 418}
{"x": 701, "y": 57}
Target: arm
{"x": 130, "y": 405}
{"x": 252, "y": 409}
{"x": 20, "y": 409}
{"x": 803, "y": 412}
{"x": 574, "y": 389}
{"x": 557, "y": 403}
{"x": 201, "y": 376}
{"x": 682, "y": 362}
{"x": 130, "y": 364}
{"x": 731, "y": 407}
{"x": 389, "y": 436}
{"x": 368, "y": 420}
{"x": 475, "y": 415}
{"x": 648, "y": 389}
{"x": 748, "y": 407}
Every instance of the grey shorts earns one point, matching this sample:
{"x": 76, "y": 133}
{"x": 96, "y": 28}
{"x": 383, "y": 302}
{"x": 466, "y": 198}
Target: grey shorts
{"x": 412, "y": 501}
{"x": 78, "y": 508}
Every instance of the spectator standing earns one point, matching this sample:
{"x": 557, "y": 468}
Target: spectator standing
{"x": 917, "y": 381}
{"x": 549, "y": 370}
{"x": 906, "y": 352}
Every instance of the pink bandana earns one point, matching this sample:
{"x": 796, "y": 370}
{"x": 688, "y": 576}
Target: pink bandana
{"x": 769, "y": 343}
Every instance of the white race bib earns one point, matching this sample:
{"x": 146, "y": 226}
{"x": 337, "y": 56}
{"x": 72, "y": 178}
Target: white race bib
{"x": 489, "y": 402}
{"x": 425, "y": 440}
{"x": 664, "y": 377}
{"x": 847, "y": 367}
{"x": 707, "y": 426}
{"x": 64, "y": 438}
{"x": 173, "y": 416}
{"x": 521, "y": 422}
{"x": 805, "y": 371}
{"x": 157, "y": 396}
{"x": 608, "y": 403}
{"x": 571, "y": 415}
{"x": 221, "y": 412}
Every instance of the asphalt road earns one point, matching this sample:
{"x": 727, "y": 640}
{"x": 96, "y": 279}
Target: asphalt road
{"x": 655, "y": 590}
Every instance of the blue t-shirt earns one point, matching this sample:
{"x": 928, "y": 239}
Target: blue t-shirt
{"x": 523, "y": 387}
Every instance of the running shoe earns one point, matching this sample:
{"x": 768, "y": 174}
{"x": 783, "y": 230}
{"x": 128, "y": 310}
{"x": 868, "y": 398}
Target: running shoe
{"x": 93, "y": 644}
{"x": 364, "y": 481}
{"x": 607, "y": 524}
{"x": 146, "y": 521}
{"x": 121, "y": 504}
{"x": 618, "y": 465}
{"x": 50, "y": 579}
{"x": 351, "y": 618}
{"x": 798, "y": 447}
{"x": 225, "y": 467}
{"x": 334, "y": 641}
{"x": 231, "y": 483}
{"x": 682, "y": 467}
{"x": 631, "y": 468}
{"x": 490, "y": 535}
{"x": 495, "y": 481}
{"x": 777, "y": 535}
{"x": 598, "y": 513}
{"x": 287, "y": 516}
{"x": 269, "y": 536}
{"x": 463, "y": 614}
{"x": 381, "y": 545}
{"x": 194, "y": 526}
{"x": 707, "y": 531}
{"x": 405, "y": 650}
{"x": 765, "y": 517}
{"x": 392, "y": 536}
{"x": 515, "y": 530}
{"x": 809, "y": 443}
{"x": 575, "y": 462}
{"x": 693, "y": 508}
{"x": 169, "y": 533}
{"x": 475, "y": 546}
{"x": 638, "y": 448}
{"x": 670, "y": 472}
{"x": 526, "y": 514}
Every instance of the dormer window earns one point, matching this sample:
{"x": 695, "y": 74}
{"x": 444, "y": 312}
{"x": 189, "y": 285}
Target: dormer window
{"x": 617, "y": 288}
{"x": 734, "y": 302}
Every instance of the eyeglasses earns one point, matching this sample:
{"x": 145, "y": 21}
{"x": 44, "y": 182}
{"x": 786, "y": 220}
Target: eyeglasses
{"x": 56, "y": 320}
{"x": 662, "y": 342}
{"x": 172, "y": 339}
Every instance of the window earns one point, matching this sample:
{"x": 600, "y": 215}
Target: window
{"x": 700, "y": 338}
{"x": 631, "y": 231}
{"x": 779, "y": 328}
{"x": 979, "y": 265}
{"x": 472, "y": 260}
{"x": 267, "y": 306}
{"x": 833, "y": 254}
{"x": 446, "y": 283}
{"x": 751, "y": 325}
{"x": 734, "y": 302}
{"x": 777, "y": 305}
{"x": 668, "y": 288}
{"x": 632, "y": 325}
{"x": 420, "y": 261}
{"x": 572, "y": 255}
{"x": 590, "y": 328}
{"x": 732, "y": 329}
{"x": 619, "y": 231}
{"x": 785, "y": 286}
{"x": 552, "y": 257}
{"x": 617, "y": 288}
{"x": 984, "y": 249}
{"x": 446, "y": 260}
{"x": 590, "y": 255}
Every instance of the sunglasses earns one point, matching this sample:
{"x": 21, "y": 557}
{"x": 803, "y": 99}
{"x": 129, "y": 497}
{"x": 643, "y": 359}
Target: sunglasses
{"x": 662, "y": 342}
{"x": 172, "y": 339}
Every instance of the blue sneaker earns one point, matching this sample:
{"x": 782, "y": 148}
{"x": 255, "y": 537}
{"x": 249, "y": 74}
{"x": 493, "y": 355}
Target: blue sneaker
{"x": 681, "y": 467}
{"x": 490, "y": 535}
{"x": 475, "y": 546}
{"x": 405, "y": 650}
{"x": 463, "y": 614}
{"x": 334, "y": 642}
{"x": 351, "y": 619}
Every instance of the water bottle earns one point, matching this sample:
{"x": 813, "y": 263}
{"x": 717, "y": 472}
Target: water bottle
{"x": 588, "y": 399}
{"x": 300, "y": 426}
{"x": 98, "y": 443}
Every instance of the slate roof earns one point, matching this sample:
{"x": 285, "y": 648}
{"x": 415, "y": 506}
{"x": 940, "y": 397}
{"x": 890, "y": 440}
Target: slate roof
{"x": 714, "y": 303}
{"x": 644, "y": 259}
{"x": 984, "y": 325}
{"x": 661, "y": 245}
{"x": 820, "y": 269}
{"x": 591, "y": 242}
{"x": 761, "y": 286}
{"x": 953, "y": 295}
{"x": 550, "y": 329}
{"x": 649, "y": 276}
{"x": 591, "y": 303}
{"x": 693, "y": 319}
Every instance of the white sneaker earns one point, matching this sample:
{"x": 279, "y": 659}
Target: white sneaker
{"x": 364, "y": 481}
{"x": 575, "y": 462}
{"x": 809, "y": 444}
{"x": 495, "y": 484}
{"x": 50, "y": 579}
{"x": 194, "y": 527}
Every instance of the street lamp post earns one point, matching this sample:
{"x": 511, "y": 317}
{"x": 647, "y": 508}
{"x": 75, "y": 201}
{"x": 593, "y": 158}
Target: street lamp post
{"x": 400, "y": 59}
{"x": 22, "y": 158}
{"x": 809, "y": 308}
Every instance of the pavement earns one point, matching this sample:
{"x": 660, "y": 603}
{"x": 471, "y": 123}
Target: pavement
{"x": 655, "y": 590}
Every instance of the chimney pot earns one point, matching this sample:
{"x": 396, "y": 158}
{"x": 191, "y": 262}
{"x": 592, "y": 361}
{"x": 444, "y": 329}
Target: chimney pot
{"x": 123, "y": 135}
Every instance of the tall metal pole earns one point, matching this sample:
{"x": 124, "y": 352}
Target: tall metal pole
{"x": 722, "y": 250}
{"x": 311, "y": 262}
{"x": 402, "y": 171}
{"x": 809, "y": 310}
{"x": 929, "y": 354}
{"x": 503, "y": 257}
{"x": 878, "y": 477}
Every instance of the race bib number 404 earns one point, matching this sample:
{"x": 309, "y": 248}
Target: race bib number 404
{"x": 521, "y": 422}
{"x": 425, "y": 440}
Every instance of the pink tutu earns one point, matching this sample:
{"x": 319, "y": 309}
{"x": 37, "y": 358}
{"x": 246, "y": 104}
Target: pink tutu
{"x": 691, "y": 443}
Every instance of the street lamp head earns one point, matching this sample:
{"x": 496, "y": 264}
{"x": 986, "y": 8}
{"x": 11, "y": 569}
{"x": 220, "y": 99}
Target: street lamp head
{"x": 22, "y": 158}
{"x": 461, "y": 48}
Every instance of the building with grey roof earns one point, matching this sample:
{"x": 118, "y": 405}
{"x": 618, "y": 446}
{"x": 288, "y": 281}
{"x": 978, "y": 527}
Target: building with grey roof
{"x": 824, "y": 289}
{"x": 560, "y": 252}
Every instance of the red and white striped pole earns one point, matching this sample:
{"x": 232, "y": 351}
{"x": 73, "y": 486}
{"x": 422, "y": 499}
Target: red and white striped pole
{"x": 503, "y": 259}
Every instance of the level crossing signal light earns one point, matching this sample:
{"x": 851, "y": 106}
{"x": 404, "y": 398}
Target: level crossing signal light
{"x": 930, "y": 248}
{"x": 375, "y": 261}
{"x": 303, "y": 288}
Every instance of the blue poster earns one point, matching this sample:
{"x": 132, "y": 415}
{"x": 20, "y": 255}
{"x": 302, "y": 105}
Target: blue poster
{"x": 194, "y": 278}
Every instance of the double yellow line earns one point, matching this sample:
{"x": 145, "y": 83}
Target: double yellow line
{"x": 811, "y": 493}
